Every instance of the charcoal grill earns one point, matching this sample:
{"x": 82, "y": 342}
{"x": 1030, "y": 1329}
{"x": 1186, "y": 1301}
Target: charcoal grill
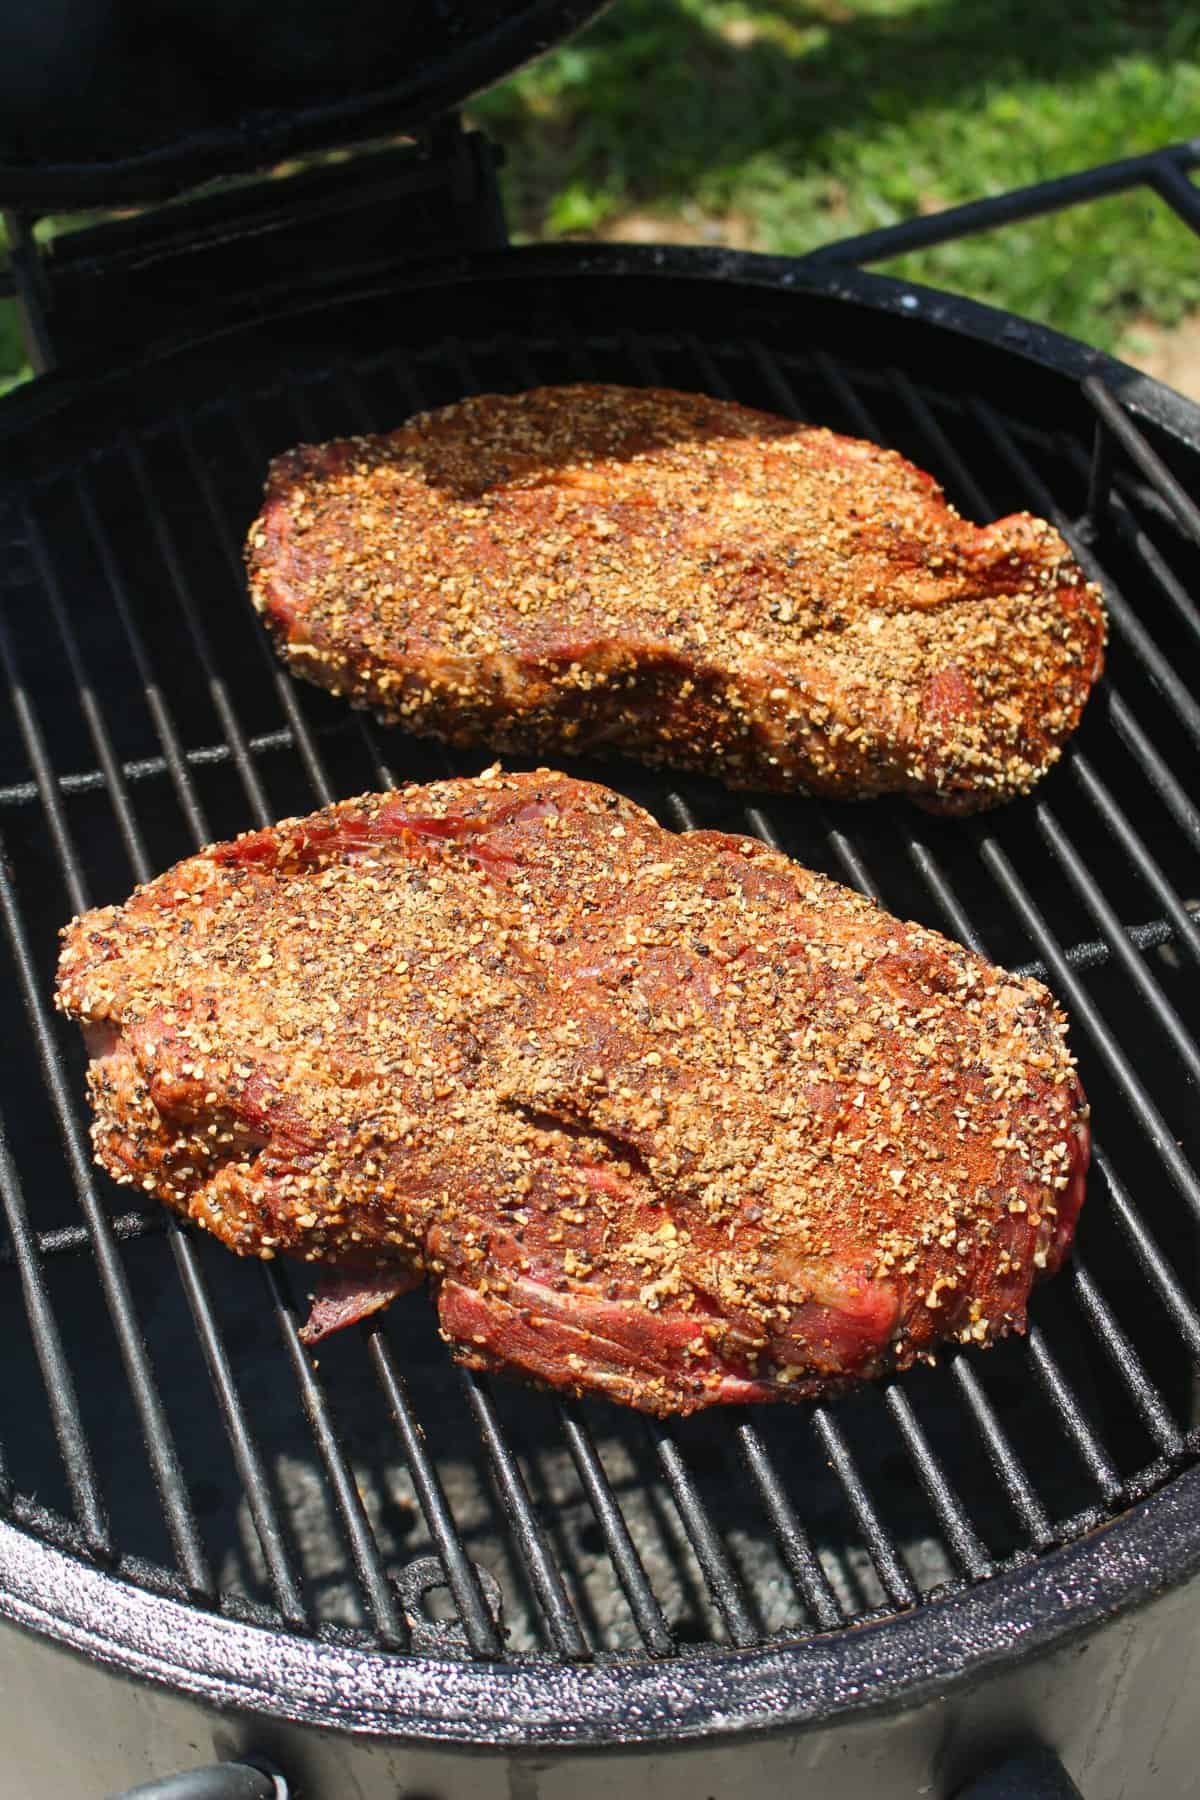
{"x": 366, "y": 1566}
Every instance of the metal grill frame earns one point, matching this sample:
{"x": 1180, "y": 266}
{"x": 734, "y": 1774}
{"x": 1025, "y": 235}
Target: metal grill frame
{"x": 173, "y": 1636}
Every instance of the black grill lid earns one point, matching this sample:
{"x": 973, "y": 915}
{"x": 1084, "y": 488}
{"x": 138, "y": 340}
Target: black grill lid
{"x": 103, "y": 101}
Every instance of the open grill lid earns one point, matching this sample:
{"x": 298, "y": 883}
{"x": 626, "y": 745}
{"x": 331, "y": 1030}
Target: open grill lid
{"x": 110, "y": 101}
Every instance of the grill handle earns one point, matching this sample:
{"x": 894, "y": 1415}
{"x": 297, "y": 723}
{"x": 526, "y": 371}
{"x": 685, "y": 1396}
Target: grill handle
{"x": 216, "y": 1781}
{"x": 1033, "y": 1774}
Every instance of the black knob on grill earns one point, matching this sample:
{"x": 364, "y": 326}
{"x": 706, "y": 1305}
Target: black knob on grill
{"x": 216, "y": 1781}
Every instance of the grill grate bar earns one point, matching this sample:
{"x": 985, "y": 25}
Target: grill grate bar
{"x": 719, "y": 1574}
{"x": 566, "y": 1634}
{"x": 391, "y": 1630}
{"x": 247, "y": 1460}
{"x": 1155, "y": 769}
{"x": 848, "y": 398}
{"x": 1153, "y": 1263}
{"x": 1100, "y": 1032}
{"x": 643, "y": 1604}
{"x": 301, "y": 411}
{"x": 853, "y": 866}
{"x": 802, "y": 1562}
{"x": 473, "y": 1610}
{"x": 67, "y": 1238}
{"x": 1131, "y": 440}
{"x": 1147, "y": 1400}
{"x": 952, "y": 910}
{"x": 1008, "y": 1466}
{"x": 285, "y": 688}
{"x": 231, "y": 729}
{"x": 1100, "y": 476}
{"x": 1125, "y": 618}
{"x": 299, "y": 731}
{"x": 1149, "y": 557}
{"x": 389, "y": 1625}
{"x": 105, "y": 754}
{"x": 1086, "y": 886}
{"x": 141, "y": 768}
{"x": 896, "y": 1582}
{"x": 1070, "y": 1410}
{"x": 946, "y": 456}
{"x": 1184, "y": 924}
{"x": 160, "y": 715}
{"x": 52, "y": 1360}
{"x": 159, "y": 1441}
{"x": 960, "y": 1534}
{"x": 43, "y": 774}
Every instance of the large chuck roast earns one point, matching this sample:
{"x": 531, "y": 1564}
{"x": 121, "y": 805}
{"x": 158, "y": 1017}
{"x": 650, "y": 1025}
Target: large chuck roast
{"x": 665, "y": 1117}
{"x": 683, "y": 579}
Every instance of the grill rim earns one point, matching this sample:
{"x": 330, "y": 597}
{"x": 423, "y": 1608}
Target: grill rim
{"x": 939, "y": 1647}
{"x": 36, "y": 403}
{"x": 1114, "y": 1572}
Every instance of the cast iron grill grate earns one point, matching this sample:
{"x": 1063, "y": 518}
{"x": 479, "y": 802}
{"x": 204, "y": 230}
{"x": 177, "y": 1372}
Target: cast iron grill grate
{"x": 162, "y": 1418}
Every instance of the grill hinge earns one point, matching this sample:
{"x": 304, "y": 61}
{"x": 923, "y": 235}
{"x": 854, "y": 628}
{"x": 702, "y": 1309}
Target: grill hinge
{"x": 230, "y": 253}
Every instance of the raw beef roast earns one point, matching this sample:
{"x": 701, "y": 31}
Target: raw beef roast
{"x": 685, "y": 580}
{"x": 664, "y": 1117}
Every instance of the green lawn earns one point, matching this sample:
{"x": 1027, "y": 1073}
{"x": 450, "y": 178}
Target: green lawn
{"x": 780, "y": 127}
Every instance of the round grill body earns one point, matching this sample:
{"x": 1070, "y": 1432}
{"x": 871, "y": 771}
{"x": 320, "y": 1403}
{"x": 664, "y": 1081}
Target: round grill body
{"x": 372, "y": 1566}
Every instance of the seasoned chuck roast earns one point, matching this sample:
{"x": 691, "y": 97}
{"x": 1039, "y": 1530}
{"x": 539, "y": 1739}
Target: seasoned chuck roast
{"x": 685, "y": 580}
{"x": 661, "y": 1116}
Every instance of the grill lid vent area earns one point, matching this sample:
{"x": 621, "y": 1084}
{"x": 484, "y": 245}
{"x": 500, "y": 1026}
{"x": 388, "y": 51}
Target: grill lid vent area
{"x": 161, "y": 1419}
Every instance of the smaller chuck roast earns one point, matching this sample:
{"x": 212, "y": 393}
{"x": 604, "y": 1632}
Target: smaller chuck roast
{"x": 664, "y": 1117}
{"x": 683, "y": 579}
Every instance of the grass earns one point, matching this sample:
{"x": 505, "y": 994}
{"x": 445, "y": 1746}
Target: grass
{"x": 781, "y": 127}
